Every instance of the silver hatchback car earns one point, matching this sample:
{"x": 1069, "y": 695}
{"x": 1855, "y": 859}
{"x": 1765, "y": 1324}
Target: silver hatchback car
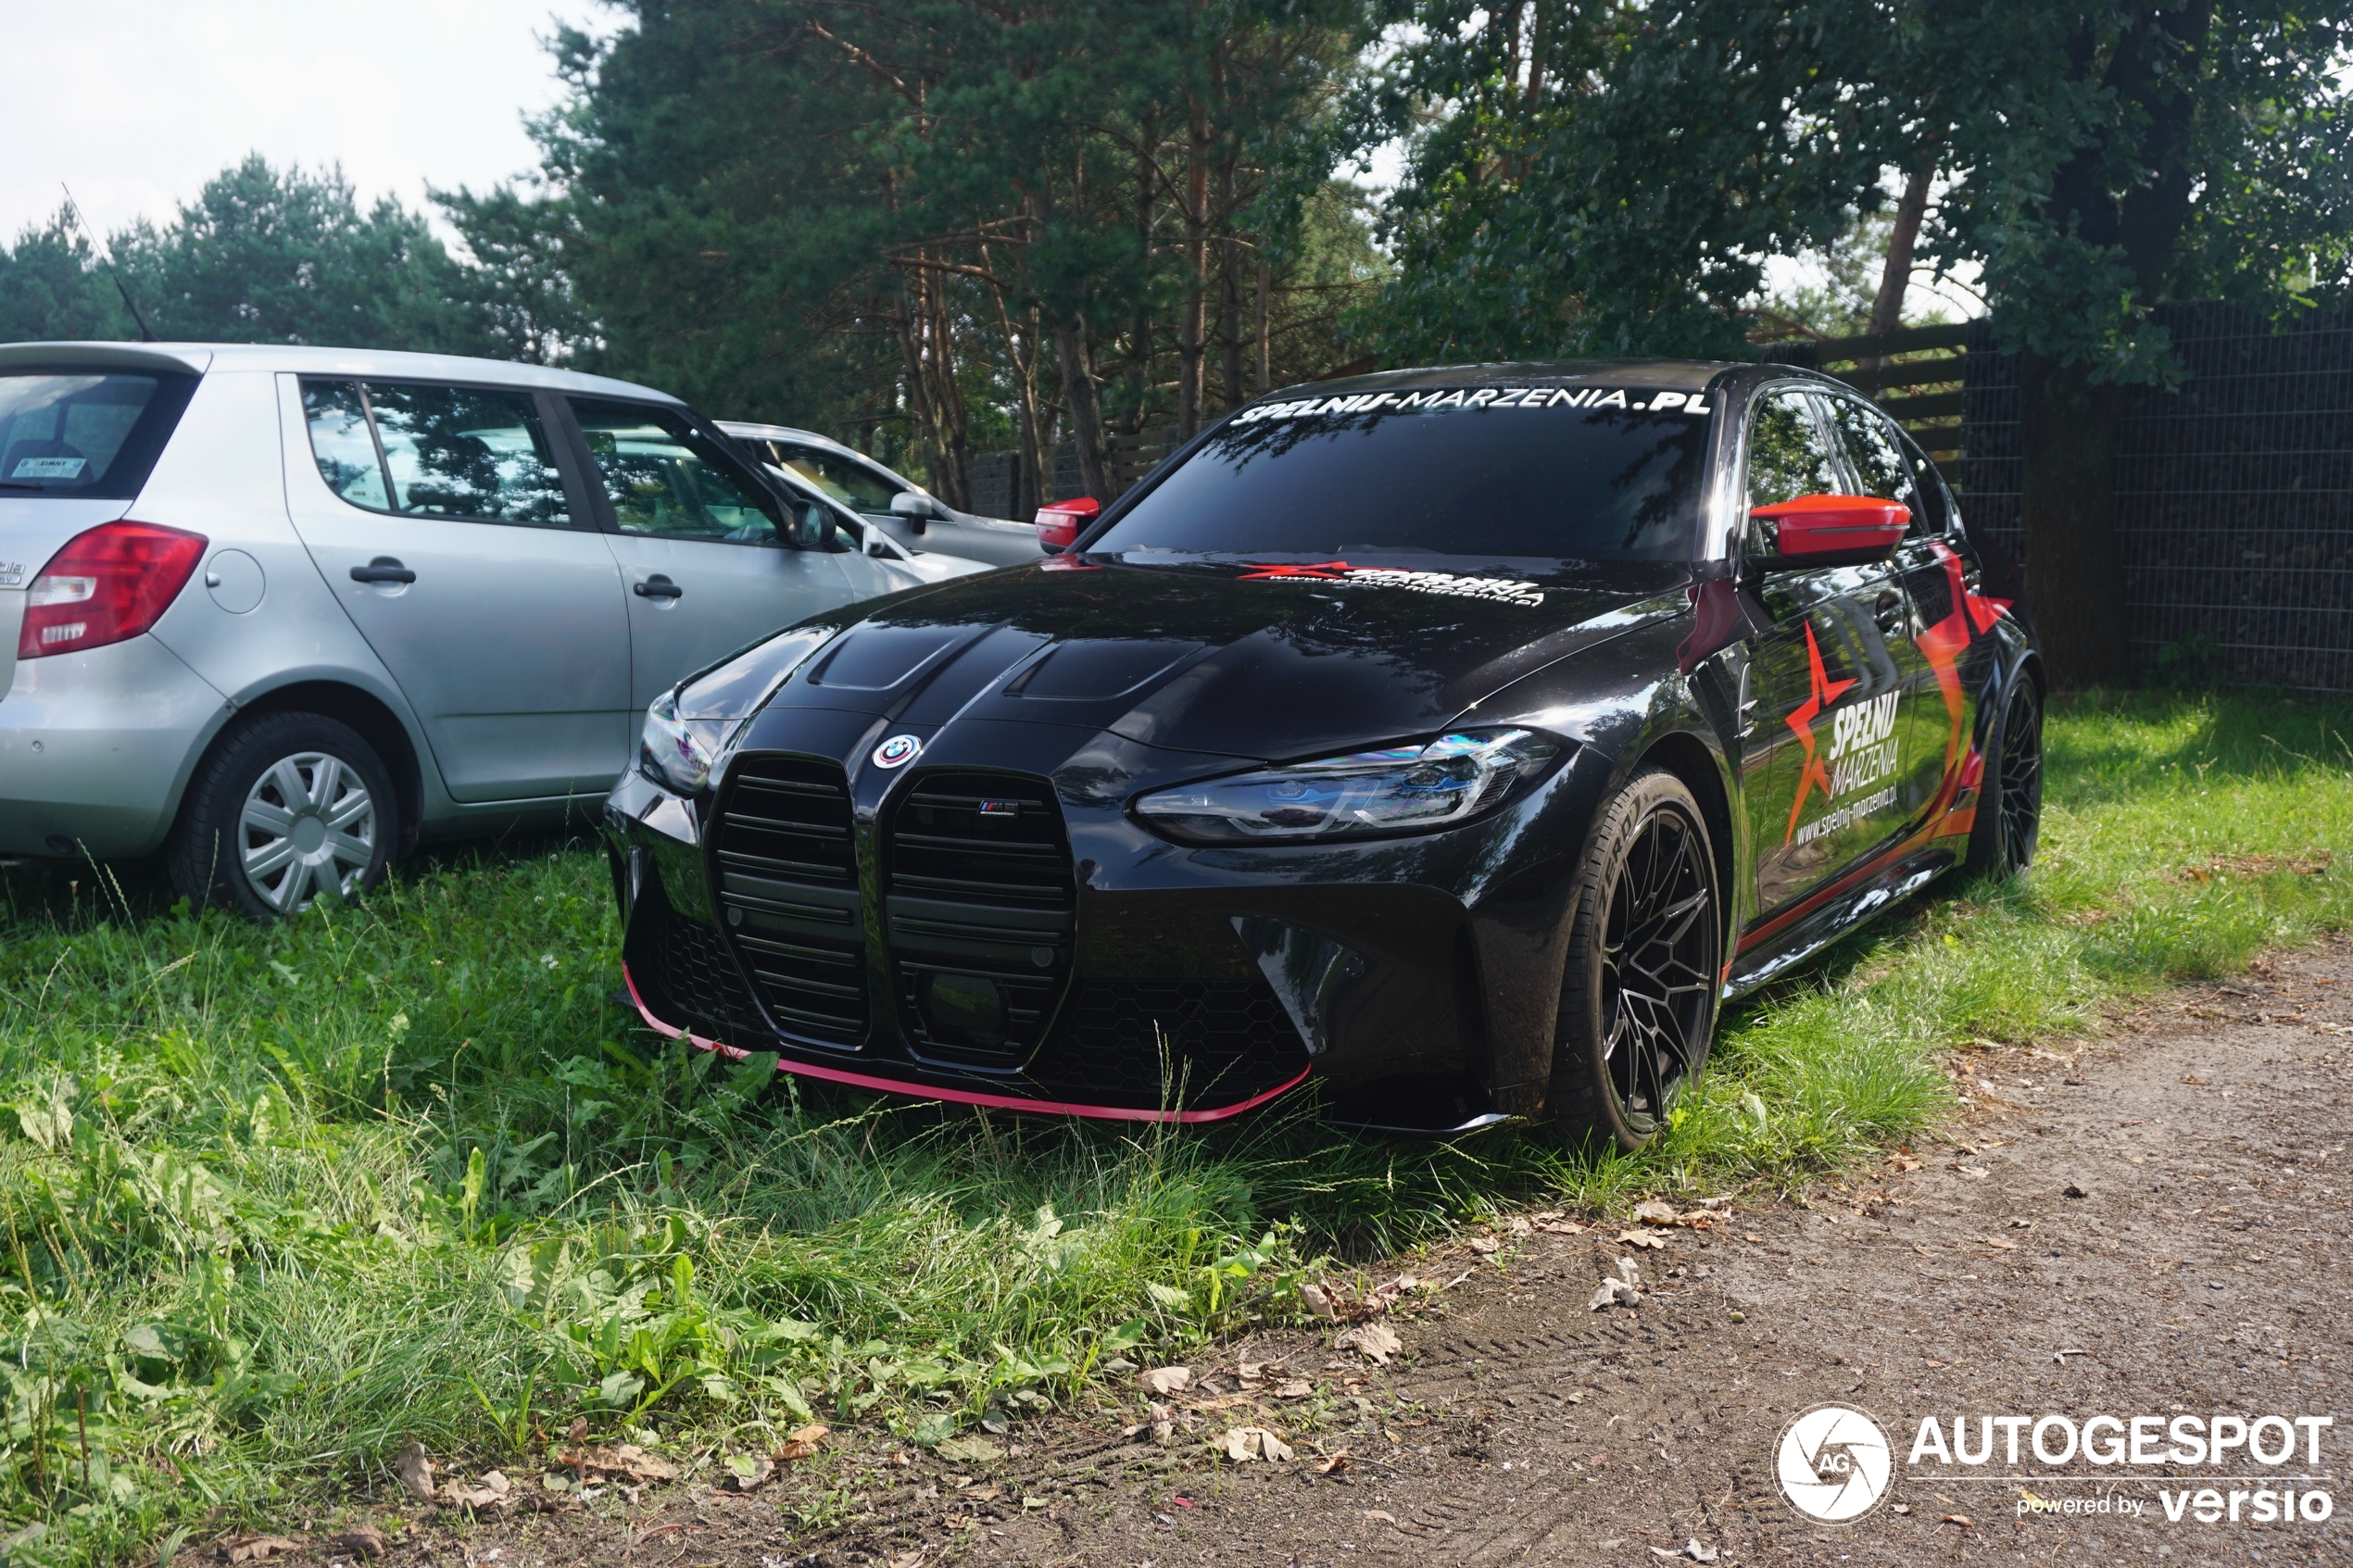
{"x": 282, "y": 613}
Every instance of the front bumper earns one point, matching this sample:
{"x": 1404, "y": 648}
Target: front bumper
{"x": 96, "y": 746}
{"x": 1417, "y": 979}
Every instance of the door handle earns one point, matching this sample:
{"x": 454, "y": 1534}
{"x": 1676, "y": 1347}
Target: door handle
{"x": 657, "y": 587}
{"x": 384, "y": 569}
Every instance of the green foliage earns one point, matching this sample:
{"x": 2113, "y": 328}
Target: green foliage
{"x": 262, "y": 256}
{"x": 1610, "y": 179}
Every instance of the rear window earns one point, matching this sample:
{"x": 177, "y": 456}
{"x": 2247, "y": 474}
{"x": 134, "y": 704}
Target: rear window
{"x": 85, "y": 432}
{"x": 1496, "y": 473}
{"x": 473, "y": 453}
{"x": 853, "y": 483}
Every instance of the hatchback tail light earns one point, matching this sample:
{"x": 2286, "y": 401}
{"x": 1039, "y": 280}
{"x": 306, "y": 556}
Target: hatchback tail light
{"x": 106, "y": 585}
{"x": 1058, "y": 524}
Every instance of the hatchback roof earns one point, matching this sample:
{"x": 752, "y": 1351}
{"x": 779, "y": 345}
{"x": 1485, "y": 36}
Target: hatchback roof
{"x": 202, "y": 357}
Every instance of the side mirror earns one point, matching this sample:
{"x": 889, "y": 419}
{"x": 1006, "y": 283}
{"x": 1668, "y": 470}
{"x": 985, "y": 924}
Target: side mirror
{"x": 808, "y": 527}
{"x": 1829, "y": 530}
{"x": 915, "y": 507}
{"x": 1060, "y": 524}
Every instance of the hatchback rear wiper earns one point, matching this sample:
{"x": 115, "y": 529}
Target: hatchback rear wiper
{"x": 21, "y": 484}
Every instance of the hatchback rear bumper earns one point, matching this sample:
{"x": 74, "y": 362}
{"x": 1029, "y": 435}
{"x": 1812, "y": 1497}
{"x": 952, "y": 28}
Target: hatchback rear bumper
{"x": 96, "y": 747}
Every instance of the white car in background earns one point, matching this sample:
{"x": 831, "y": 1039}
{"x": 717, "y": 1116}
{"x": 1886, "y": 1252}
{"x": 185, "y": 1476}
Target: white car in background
{"x": 895, "y": 504}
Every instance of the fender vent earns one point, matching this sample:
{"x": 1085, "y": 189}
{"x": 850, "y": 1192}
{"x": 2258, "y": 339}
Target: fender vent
{"x": 787, "y": 877}
{"x": 979, "y": 904}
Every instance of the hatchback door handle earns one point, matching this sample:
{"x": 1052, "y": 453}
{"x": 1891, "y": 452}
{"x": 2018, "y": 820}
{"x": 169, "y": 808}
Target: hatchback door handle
{"x": 384, "y": 569}
{"x": 657, "y": 587}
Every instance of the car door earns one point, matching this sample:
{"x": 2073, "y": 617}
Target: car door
{"x": 700, "y": 539}
{"x": 1822, "y": 766}
{"x": 1932, "y": 723}
{"x": 449, "y": 532}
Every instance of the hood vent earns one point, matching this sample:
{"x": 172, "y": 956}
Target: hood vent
{"x": 787, "y": 878}
{"x": 979, "y": 905}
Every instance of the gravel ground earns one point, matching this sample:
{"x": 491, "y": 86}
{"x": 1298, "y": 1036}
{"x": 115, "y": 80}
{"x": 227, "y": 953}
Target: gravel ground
{"x": 2150, "y": 1225}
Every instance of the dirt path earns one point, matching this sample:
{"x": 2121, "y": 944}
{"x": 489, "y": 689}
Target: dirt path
{"x": 2155, "y": 1227}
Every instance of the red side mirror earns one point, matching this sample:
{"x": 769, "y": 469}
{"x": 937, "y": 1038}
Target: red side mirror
{"x": 1832, "y": 530}
{"x": 1058, "y": 523}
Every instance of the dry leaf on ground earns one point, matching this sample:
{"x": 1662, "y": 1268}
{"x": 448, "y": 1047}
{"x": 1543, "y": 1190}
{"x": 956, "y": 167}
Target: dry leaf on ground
{"x": 627, "y": 1460}
{"x": 1164, "y": 1381}
{"x": 415, "y": 1472}
{"x": 1376, "y": 1342}
{"x": 745, "y": 1473}
{"x": 364, "y": 1540}
{"x": 1253, "y": 1442}
{"x": 256, "y": 1548}
{"x": 1318, "y": 1303}
{"x": 1293, "y": 1388}
{"x": 1333, "y": 1462}
{"x": 1484, "y": 1244}
{"x": 970, "y": 1451}
{"x": 1641, "y": 1238}
{"x": 1654, "y": 1212}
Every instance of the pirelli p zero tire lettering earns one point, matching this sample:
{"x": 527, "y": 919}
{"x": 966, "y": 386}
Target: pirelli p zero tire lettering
{"x": 2009, "y": 801}
{"x": 1640, "y": 989}
{"x": 285, "y": 807}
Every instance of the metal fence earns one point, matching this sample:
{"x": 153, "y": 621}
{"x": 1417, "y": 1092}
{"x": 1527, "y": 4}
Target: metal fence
{"x": 2235, "y": 492}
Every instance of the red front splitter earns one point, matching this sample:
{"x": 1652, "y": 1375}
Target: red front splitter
{"x": 957, "y": 1097}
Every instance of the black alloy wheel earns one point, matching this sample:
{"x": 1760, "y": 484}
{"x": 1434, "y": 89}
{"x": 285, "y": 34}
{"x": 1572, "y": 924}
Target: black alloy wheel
{"x": 1640, "y": 989}
{"x": 2010, "y": 802}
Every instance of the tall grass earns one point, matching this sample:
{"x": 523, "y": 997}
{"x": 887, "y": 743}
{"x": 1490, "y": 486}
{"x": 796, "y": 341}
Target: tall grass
{"x": 276, "y": 1200}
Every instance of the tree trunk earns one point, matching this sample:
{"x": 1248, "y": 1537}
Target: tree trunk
{"x": 2074, "y": 569}
{"x": 1895, "y": 280}
{"x": 1265, "y": 287}
{"x": 1086, "y": 413}
{"x": 1188, "y": 345}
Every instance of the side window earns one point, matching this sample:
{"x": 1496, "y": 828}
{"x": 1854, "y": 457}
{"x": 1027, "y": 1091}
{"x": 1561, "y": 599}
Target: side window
{"x": 435, "y": 451}
{"x": 456, "y": 451}
{"x": 1788, "y": 456}
{"x": 853, "y": 484}
{"x": 665, "y": 478}
{"x": 342, "y": 444}
{"x": 1882, "y": 466}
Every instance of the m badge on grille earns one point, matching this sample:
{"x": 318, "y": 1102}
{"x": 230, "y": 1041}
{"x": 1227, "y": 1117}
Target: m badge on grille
{"x": 1001, "y": 807}
{"x": 898, "y": 751}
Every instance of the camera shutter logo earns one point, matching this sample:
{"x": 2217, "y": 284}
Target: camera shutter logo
{"x": 1833, "y": 1463}
{"x": 898, "y": 751}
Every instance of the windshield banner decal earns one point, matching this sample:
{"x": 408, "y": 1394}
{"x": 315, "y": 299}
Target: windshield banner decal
{"x": 1632, "y": 399}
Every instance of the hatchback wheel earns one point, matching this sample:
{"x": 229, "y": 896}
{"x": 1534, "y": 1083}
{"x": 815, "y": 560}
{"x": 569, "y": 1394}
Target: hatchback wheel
{"x": 285, "y": 807}
{"x": 2009, "y": 801}
{"x": 1639, "y": 992}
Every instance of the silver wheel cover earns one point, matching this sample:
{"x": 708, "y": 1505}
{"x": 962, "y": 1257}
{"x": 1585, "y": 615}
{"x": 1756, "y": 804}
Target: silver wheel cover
{"x": 308, "y": 823}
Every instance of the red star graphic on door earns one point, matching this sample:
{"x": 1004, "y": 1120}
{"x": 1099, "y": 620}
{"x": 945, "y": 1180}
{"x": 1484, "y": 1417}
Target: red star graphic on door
{"x": 1825, "y": 692}
{"x": 1972, "y": 615}
{"x": 1330, "y": 569}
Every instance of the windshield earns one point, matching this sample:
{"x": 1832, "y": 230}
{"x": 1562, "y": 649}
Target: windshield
{"x": 1495, "y": 473}
{"x": 86, "y": 433}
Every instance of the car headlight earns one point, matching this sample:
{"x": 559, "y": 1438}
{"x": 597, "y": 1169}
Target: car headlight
{"x": 676, "y": 751}
{"x": 1409, "y": 788}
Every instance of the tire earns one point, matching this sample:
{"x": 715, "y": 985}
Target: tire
{"x": 2009, "y": 800}
{"x": 1635, "y": 1025}
{"x": 285, "y": 805}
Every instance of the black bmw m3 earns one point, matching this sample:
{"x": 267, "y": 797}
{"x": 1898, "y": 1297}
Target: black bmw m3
{"x": 1453, "y": 742}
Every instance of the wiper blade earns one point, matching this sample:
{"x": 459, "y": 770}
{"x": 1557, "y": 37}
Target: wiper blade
{"x": 21, "y": 484}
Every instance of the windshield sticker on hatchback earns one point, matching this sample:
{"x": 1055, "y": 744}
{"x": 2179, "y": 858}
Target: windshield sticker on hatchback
{"x": 1588, "y": 398}
{"x": 49, "y": 468}
{"x": 1501, "y": 590}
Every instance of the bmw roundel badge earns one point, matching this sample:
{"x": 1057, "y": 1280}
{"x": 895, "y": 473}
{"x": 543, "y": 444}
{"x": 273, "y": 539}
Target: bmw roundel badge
{"x": 898, "y": 751}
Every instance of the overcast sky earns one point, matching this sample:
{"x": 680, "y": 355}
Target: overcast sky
{"x": 136, "y": 103}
